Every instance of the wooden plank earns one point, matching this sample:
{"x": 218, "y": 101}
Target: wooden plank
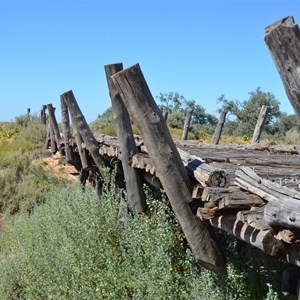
{"x": 126, "y": 140}
{"x": 142, "y": 108}
{"x": 283, "y": 41}
{"x": 283, "y": 208}
{"x": 260, "y": 124}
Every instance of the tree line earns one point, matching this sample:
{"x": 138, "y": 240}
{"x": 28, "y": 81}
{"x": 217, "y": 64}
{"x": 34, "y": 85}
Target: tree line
{"x": 241, "y": 116}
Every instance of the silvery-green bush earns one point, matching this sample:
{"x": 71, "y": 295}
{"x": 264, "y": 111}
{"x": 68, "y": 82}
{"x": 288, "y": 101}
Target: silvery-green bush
{"x": 75, "y": 247}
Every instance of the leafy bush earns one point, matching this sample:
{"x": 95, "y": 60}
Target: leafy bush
{"x": 8, "y": 130}
{"x": 292, "y": 136}
{"x": 34, "y": 132}
{"x": 23, "y": 184}
{"x": 75, "y": 247}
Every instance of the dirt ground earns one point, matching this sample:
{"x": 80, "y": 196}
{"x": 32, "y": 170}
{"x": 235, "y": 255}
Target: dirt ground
{"x": 60, "y": 168}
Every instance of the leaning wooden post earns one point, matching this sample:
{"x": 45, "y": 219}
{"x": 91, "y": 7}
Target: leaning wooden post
{"x": 54, "y": 126}
{"x": 219, "y": 128}
{"x": 52, "y": 139}
{"x": 126, "y": 142}
{"x": 165, "y": 115}
{"x": 168, "y": 165}
{"x": 81, "y": 151}
{"x": 283, "y": 41}
{"x": 65, "y": 120}
{"x": 43, "y": 115}
{"x": 84, "y": 130}
{"x": 186, "y": 125}
{"x": 48, "y": 137}
{"x": 260, "y": 124}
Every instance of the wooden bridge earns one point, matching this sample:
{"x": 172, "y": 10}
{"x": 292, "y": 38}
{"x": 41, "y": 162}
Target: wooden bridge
{"x": 250, "y": 191}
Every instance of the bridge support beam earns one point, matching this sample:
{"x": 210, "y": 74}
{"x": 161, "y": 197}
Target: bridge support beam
{"x": 126, "y": 140}
{"x": 145, "y": 113}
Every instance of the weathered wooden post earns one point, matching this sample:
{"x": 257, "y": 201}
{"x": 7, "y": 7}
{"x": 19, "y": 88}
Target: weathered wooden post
{"x": 65, "y": 120}
{"x": 219, "y": 128}
{"x": 165, "y": 115}
{"x": 84, "y": 130}
{"x": 48, "y": 136}
{"x": 27, "y": 117}
{"x": 260, "y": 124}
{"x": 131, "y": 85}
{"x": 54, "y": 126}
{"x": 43, "y": 115}
{"x": 126, "y": 141}
{"x": 82, "y": 152}
{"x": 186, "y": 125}
{"x": 283, "y": 41}
{"x": 52, "y": 139}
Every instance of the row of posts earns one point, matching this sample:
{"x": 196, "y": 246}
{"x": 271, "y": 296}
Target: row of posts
{"x": 218, "y": 131}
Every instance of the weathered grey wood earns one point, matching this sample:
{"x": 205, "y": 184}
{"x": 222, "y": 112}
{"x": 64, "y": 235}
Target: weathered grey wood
{"x": 43, "y": 116}
{"x": 264, "y": 146}
{"x": 165, "y": 115}
{"x": 65, "y": 120}
{"x": 260, "y": 124}
{"x": 241, "y": 200}
{"x": 255, "y": 218}
{"x": 53, "y": 143}
{"x": 28, "y": 115}
{"x": 261, "y": 239}
{"x": 204, "y": 173}
{"x": 283, "y": 40}
{"x": 142, "y": 108}
{"x": 283, "y": 213}
{"x": 84, "y": 130}
{"x": 187, "y": 123}
{"x": 248, "y": 179}
{"x": 54, "y": 125}
{"x": 82, "y": 152}
{"x": 126, "y": 140}
{"x": 283, "y": 208}
{"x": 47, "y": 136}
{"x": 219, "y": 128}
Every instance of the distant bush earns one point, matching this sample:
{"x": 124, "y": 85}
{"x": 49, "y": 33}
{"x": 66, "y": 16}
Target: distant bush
{"x": 8, "y": 130}
{"x": 34, "y": 132}
{"x": 23, "y": 184}
{"x": 293, "y": 136}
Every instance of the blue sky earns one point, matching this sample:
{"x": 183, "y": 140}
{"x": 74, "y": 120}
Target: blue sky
{"x": 201, "y": 49}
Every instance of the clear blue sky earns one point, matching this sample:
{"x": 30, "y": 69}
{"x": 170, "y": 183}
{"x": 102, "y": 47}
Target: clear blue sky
{"x": 201, "y": 49}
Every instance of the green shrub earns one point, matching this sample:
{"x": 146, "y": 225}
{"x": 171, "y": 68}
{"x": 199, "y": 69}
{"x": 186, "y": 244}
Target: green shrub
{"x": 292, "y": 136}
{"x": 23, "y": 184}
{"x": 75, "y": 247}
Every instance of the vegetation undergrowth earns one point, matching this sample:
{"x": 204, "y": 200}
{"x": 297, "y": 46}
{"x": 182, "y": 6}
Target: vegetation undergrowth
{"x": 76, "y": 246}
{"x": 24, "y": 184}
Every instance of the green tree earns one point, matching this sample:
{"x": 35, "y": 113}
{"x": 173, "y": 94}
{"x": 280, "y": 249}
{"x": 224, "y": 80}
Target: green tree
{"x": 176, "y": 105}
{"x": 103, "y": 121}
{"x": 246, "y": 112}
